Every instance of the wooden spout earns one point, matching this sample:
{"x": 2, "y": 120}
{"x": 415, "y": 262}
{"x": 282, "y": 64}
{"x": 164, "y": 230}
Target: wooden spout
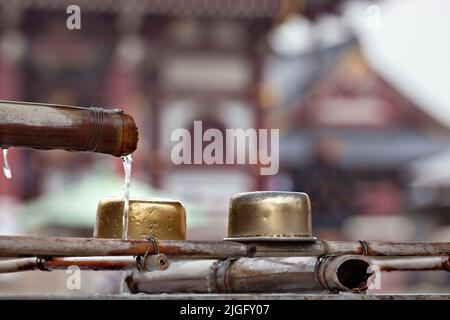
{"x": 47, "y": 126}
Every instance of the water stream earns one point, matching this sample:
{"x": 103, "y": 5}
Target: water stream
{"x": 6, "y": 168}
{"x": 127, "y": 162}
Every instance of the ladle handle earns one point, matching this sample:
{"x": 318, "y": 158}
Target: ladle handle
{"x": 47, "y": 126}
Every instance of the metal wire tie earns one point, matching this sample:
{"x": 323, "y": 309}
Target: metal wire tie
{"x": 40, "y": 264}
{"x": 140, "y": 261}
{"x": 365, "y": 246}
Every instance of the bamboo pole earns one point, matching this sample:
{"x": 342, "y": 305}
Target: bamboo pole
{"x": 21, "y": 246}
{"x": 413, "y": 264}
{"x": 154, "y": 262}
{"x": 255, "y": 275}
{"x": 48, "y": 126}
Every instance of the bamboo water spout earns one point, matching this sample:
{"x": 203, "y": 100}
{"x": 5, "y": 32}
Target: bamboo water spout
{"x": 48, "y": 126}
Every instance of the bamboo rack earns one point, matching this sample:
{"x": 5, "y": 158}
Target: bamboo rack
{"x": 21, "y": 246}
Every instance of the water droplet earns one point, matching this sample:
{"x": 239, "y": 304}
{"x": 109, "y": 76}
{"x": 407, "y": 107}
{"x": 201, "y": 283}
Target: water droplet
{"x": 6, "y": 168}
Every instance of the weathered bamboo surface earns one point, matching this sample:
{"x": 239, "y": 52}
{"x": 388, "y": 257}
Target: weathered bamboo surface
{"x": 154, "y": 262}
{"x": 22, "y": 246}
{"x": 256, "y": 275}
{"x": 47, "y": 126}
{"x": 413, "y": 264}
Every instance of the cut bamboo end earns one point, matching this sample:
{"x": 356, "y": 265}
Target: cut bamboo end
{"x": 130, "y": 136}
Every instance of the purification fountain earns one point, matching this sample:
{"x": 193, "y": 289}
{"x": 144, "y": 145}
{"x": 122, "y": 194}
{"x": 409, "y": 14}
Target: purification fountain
{"x": 270, "y": 246}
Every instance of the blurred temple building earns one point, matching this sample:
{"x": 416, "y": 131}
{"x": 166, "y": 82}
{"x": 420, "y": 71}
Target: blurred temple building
{"x": 166, "y": 63}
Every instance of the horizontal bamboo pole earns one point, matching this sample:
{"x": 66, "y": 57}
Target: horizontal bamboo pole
{"x": 154, "y": 262}
{"x": 256, "y": 275}
{"x": 21, "y": 246}
{"x": 49, "y": 126}
{"x": 413, "y": 264}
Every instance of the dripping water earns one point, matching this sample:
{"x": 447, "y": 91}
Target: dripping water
{"x": 127, "y": 161}
{"x": 6, "y": 168}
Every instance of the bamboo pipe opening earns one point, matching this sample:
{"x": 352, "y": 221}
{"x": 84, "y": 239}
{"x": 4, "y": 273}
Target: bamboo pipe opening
{"x": 353, "y": 274}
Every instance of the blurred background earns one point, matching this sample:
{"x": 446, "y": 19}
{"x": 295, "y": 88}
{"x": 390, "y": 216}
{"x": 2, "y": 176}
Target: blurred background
{"x": 360, "y": 92}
